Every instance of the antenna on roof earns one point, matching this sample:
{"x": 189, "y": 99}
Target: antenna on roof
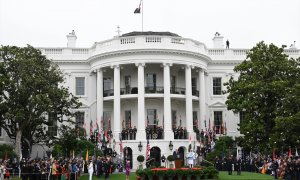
{"x": 118, "y": 30}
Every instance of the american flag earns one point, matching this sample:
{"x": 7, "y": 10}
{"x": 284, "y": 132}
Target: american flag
{"x": 84, "y": 128}
{"x": 147, "y": 149}
{"x": 91, "y": 127}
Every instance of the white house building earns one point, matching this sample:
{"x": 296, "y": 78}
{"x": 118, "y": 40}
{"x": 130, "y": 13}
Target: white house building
{"x": 154, "y": 80}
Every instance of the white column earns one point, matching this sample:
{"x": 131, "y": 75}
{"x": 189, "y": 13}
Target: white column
{"x": 168, "y": 134}
{"x": 188, "y": 99}
{"x": 100, "y": 97}
{"x": 201, "y": 99}
{"x": 117, "y": 102}
{"x": 141, "y": 133}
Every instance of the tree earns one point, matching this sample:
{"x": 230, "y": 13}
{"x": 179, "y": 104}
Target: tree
{"x": 265, "y": 92}
{"x": 30, "y": 91}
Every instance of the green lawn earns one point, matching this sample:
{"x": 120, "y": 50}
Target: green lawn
{"x": 244, "y": 176}
{"x": 222, "y": 176}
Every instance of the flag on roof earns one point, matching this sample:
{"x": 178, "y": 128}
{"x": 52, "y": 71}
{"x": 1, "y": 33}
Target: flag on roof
{"x": 138, "y": 10}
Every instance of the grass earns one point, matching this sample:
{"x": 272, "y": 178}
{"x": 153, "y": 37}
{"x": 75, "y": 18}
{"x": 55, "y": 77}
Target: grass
{"x": 222, "y": 176}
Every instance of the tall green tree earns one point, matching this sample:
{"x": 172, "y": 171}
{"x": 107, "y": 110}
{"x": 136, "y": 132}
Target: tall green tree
{"x": 31, "y": 89}
{"x": 266, "y": 92}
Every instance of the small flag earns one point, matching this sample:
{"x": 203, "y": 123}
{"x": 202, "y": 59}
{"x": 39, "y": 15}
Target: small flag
{"x": 290, "y": 152}
{"x": 84, "y": 128}
{"x": 225, "y": 129}
{"x": 121, "y": 148}
{"x": 147, "y": 150}
{"x": 138, "y": 10}
{"x": 6, "y": 156}
{"x": 91, "y": 127}
{"x": 87, "y": 155}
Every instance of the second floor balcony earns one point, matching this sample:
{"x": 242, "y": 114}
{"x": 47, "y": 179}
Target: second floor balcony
{"x": 149, "y": 90}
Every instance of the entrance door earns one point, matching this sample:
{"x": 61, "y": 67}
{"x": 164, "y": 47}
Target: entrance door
{"x": 127, "y": 156}
{"x": 181, "y": 152}
{"x": 155, "y": 155}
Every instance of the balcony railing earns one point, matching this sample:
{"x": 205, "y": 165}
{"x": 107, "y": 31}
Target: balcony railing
{"x": 149, "y": 90}
{"x": 129, "y": 90}
{"x": 177, "y": 90}
{"x": 109, "y": 92}
{"x": 154, "y": 90}
{"x": 195, "y": 93}
{"x": 154, "y": 133}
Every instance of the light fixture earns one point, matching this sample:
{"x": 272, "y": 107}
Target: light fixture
{"x": 140, "y": 146}
{"x": 171, "y": 146}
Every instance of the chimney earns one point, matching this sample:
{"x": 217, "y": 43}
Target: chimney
{"x": 71, "y": 39}
{"x": 218, "y": 41}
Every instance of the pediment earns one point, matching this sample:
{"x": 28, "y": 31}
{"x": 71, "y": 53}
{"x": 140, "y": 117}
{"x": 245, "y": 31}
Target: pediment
{"x": 217, "y": 104}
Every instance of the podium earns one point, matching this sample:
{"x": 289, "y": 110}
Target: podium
{"x": 178, "y": 163}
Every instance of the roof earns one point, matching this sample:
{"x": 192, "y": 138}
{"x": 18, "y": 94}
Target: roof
{"x": 149, "y": 33}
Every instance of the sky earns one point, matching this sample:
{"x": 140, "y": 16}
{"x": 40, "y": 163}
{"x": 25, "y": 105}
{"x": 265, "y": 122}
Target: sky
{"x": 45, "y": 23}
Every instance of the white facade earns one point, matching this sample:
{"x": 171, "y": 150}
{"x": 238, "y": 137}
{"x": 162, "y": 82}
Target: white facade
{"x": 185, "y": 66}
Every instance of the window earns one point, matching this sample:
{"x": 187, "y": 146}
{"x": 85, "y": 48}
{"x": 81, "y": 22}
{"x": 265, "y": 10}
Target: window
{"x": 107, "y": 87}
{"x": 218, "y": 122}
{"x": 107, "y": 84}
{"x": 174, "y": 119}
{"x": 173, "y": 84}
{"x": 194, "y": 87}
{"x": 127, "y": 84}
{"x": 217, "y": 86}
{"x": 128, "y": 119}
{"x": 52, "y": 127}
{"x": 242, "y": 118}
{"x": 195, "y": 119}
{"x": 79, "y": 118}
{"x": 151, "y": 117}
{"x": 80, "y": 82}
{"x": 151, "y": 82}
{"x": 106, "y": 120}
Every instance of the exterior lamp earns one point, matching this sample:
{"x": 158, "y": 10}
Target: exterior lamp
{"x": 171, "y": 146}
{"x": 140, "y": 146}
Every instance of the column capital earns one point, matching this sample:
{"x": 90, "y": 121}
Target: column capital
{"x": 188, "y": 66}
{"x": 99, "y": 69}
{"x": 140, "y": 64}
{"x": 115, "y": 66}
{"x": 167, "y": 64}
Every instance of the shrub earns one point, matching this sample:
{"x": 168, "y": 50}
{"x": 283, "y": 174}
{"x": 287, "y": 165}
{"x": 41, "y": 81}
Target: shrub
{"x": 160, "y": 173}
{"x": 148, "y": 172}
{"x": 140, "y": 172}
{"x": 179, "y": 172}
{"x": 197, "y": 173}
{"x": 140, "y": 158}
{"x": 170, "y": 173}
{"x": 170, "y": 158}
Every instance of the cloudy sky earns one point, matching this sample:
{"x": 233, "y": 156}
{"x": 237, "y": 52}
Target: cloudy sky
{"x": 44, "y": 23}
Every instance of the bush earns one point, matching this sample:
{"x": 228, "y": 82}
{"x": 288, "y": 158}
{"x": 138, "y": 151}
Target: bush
{"x": 140, "y": 158}
{"x": 197, "y": 173}
{"x": 170, "y": 173}
{"x": 140, "y": 172}
{"x": 148, "y": 172}
{"x": 160, "y": 173}
{"x": 179, "y": 172}
{"x": 170, "y": 158}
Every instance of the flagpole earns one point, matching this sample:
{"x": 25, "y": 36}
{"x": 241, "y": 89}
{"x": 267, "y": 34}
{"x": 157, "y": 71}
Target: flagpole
{"x": 142, "y": 15}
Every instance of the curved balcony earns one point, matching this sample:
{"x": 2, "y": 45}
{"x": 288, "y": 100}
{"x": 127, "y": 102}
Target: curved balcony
{"x": 149, "y": 90}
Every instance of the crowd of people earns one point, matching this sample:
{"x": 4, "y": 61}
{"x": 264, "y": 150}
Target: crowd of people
{"x": 59, "y": 169}
{"x": 283, "y": 167}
